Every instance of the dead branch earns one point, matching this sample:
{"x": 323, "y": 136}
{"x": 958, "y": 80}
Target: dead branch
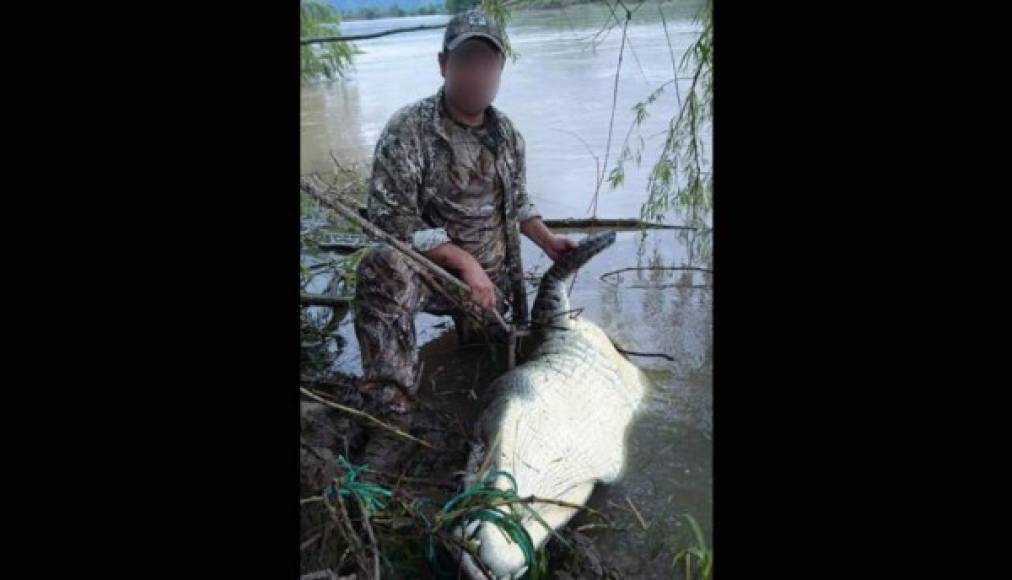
{"x": 450, "y": 538}
{"x": 371, "y": 35}
{"x": 372, "y": 538}
{"x": 317, "y": 300}
{"x": 309, "y": 542}
{"x": 364, "y": 415}
{"x": 613, "y": 223}
{"x": 343, "y": 243}
{"x": 659, "y": 268}
{"x": 597, "y": 161}
{"x": 342, "y": 248}
{"x": 463, "y": 545}
{"x": 439, "y": 278}
{"x": 637, "y": 512}
{"x": 343, "y": 522}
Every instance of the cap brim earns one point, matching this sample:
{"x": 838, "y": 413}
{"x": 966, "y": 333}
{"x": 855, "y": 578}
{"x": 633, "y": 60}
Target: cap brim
{"x": 469, "y": 35}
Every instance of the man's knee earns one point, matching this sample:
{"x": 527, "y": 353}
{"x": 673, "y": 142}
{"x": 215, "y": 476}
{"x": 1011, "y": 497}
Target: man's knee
{"x": 384, "y": 274}
{"x": 380, "y": 260}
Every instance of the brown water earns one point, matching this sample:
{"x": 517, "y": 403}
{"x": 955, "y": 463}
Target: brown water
{"x": 562, "y": 84}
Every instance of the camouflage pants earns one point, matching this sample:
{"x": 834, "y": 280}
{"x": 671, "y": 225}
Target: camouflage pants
{"x": 388, "y": 296}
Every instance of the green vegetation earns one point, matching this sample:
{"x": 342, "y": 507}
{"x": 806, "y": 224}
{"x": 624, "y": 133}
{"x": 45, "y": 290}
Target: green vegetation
{"x": 681, "y": 179}
{"x": 699, "y": 555}
{"x": 327, "y": 60}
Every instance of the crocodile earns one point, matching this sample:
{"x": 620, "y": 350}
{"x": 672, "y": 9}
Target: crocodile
{"x": 557, "y": 423}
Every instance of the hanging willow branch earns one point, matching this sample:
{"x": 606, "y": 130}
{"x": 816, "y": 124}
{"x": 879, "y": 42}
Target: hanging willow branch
{"x": 611, "y": 122}
{"x": 680, "y": 178}
{"x": 331, "y": 61}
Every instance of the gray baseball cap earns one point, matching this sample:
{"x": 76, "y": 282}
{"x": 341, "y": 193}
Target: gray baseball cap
{"x": 473, "y": 24}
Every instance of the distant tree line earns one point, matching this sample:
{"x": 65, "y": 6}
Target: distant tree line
{"x": 458, "y": 6}
{"x": 393, "y": 11}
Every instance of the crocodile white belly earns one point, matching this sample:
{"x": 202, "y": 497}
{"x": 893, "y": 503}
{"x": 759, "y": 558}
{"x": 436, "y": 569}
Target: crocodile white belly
{"x": 557, "y": 422}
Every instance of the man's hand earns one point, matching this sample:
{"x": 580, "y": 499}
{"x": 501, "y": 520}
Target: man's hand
{"x": 558, "y": 246}
{"x": 482, "y": 288}
{"x": 454, "y": 257}
{"x": 553, "y": 245}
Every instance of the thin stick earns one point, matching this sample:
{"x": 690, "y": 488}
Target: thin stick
{"x": 344, "y": 526}
{"x": 443, "y": 536}
{"x": 653, "y": 354}
{"x": 372, "y": 35}
{"x": 418, "y": 379}
{"x": 616, "y": 19}
{"x": 597, "y": 162}
{"x": 662, "y": 286}
{"x": 364, "y": 415}
{"x": 611, "y": 223}
{"x": 317, "y": 300}
{"x": 340, "y": 563}
{"x": 637, "y": 512}
{"x": 338, "y": 163}
{"x": 404, "y": 471}
{"x": 670, "y": 268}
{"x": 477, "y": 373}
{"x": 351, "y": 530}
{"x": 611, "y": 122}
{"x": 632, "y": 49}
{"x": 523, "y": 500}
{"x": 324, "y": 265}
{"x": 593, "y": 526}
{"x": 309, "y": 542}
{"x": 372, "y": 538}
{"x": 607, "y": 24}
{"x": 474, "y": 555}
{"x": 674, "y": 65}
{"x": 343, "y": 248}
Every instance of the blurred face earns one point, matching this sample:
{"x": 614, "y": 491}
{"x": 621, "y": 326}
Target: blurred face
{"x": 472, "y": 74}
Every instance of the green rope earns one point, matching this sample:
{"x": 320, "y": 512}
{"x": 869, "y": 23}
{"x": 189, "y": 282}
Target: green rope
{"x": 350, "y": 487}
{"x": 481, "y": 493}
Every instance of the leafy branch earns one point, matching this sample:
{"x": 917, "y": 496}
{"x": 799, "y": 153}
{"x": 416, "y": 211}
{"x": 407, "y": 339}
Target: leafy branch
{"x": 680, "y": 180}
{"x": 328, "y": 61}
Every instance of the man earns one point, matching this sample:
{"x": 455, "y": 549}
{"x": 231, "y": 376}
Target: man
{"x": 449, "y": 177}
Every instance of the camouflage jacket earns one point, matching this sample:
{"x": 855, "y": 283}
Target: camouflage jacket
{"x": 410, "y": 188}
